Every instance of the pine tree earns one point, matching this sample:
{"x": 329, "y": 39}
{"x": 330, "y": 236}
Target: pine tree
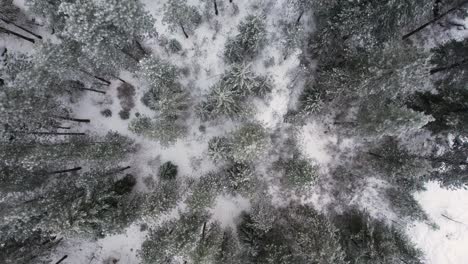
{"x": 375, "y": 118}
{"x": 367, "y": 240}
{"x": 175, "y": 239}
{"x": 248, "y": 43}
{"x": 180, "y": 16}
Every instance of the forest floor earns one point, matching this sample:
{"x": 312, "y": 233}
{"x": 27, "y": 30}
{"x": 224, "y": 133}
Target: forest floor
{"x": 203, "y": 56}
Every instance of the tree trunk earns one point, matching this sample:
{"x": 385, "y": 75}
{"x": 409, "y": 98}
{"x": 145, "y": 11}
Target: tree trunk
{"x": 92, "y": 90}
{"x": 140, "y": 47}
{"x": 49, "y": 133}
{"x": 455, "y": 65}
{"x": 299, "y": 18}
{"x": 74, "y": 119}
{"x": 7, "y": 31}
{"x": 130, "y": 55}
{"x": 215, "y": 7}
{"x": 203, "y": 231}
{"x": 22, "y": 28}
{"x": 62, "y": 127}
{"x": 434, "y": 20}
{"x": 65, "y": 171}
{"x": 375, "y": 155}
{"x": 183, "y": 30}
{"x": 96, "y": 77}
{"x": 118, "y": 170}
{"x": 62, "y": 259}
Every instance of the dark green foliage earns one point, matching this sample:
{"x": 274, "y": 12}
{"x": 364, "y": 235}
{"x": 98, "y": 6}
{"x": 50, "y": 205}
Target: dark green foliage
{"x": 229, "y": 96}
{"x": 180, "y": 16}
{"x": 398, "y": 165}
{"x": 167, "y": 171}
{"x": 298, "y": 171}
{"x": 297, "y": 236}
{"x": 204, "y": 191}
{"x": 450, "y": 75}
{"x": 240, "y": 178}
{"x": 124, "y": 185}
{"x": 248, "y": 43}
{"x": 174, "y": 238}
{"x": 247, "y": 143}
{"x": 163, "y": 196}
{"x": 174, "y": 46}
{"x": 33, "y": 249}
{"x": 366, "y": 240}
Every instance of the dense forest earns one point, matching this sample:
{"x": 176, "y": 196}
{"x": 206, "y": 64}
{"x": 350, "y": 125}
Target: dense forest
{"x": 233, "y": 132}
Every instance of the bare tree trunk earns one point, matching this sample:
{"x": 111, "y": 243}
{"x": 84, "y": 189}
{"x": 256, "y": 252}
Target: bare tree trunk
{"x": 375, "y": 155}
{"x": 92, "y": 90}
{"x": 22, "y": 28}
{"x": 140, "y": 47}
{"x": 203, "y": 231}
{"x": 96, "y": 77}
{"x": 215, "y": 7}
{"x": 299, "y": 18}
{"x": 455, "y": 65}
{"x": 434, "y": 20}
{"x": 74, "y": 119}
{"x": 49, "y": 133}
{"x": 62, "y": 259}
{"x": 130, "y": 55}
{"x": 183, "y": 30}
{"x": 7, "y": 31}
{"x": 65, "y": 171}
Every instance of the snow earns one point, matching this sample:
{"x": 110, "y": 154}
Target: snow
{"x": 316, "y": 142}
{"x": 203, "y": 56}
{"x": 123, "y": 247}
{"x": 448, "y": 243}
{"x": 228, "y": 208}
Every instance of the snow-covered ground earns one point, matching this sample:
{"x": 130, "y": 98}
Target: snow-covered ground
{"x": 204, "y": 55}
{"x": 448, "y": 209}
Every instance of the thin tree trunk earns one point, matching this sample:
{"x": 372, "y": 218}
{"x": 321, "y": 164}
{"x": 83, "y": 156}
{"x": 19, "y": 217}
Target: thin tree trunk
{"x": 449, "y": 218}
{"x": 130, "y": 55}
{"x": 299, "y": 18}
{"x": 74, "y": 119}
{"x": 455, "y": 65}
{"x": 124, "y": 169}
{"x": 118, "y": 170}
{"x": 203, "y": 231}
{"x": 50, "y": 133}
{"x": 183, "y": 30}
{"x": 434, "y": 20}
{"x": 96, "y": 77}
{"x": 7, "y": 31}
{"x": 375, "y": 155}
{"x": 92, "y": 90}
{"x": 62, "y": 127}
{"x": 215, "y": 7}
{"x": 22, "y": 28}
{"x": 65, "y": 171}
{"x": 62, "y": 259}
{"x": 140, "y": 47}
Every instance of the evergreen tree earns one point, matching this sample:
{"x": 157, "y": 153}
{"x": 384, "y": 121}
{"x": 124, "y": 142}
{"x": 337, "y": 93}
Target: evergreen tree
{"x": 366, "y": 240}
{"x": 179, "y": 15}
{"x": 248, "y": 43}
{"x": 175, "y": 239}
{"x": 295, "y": 237}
